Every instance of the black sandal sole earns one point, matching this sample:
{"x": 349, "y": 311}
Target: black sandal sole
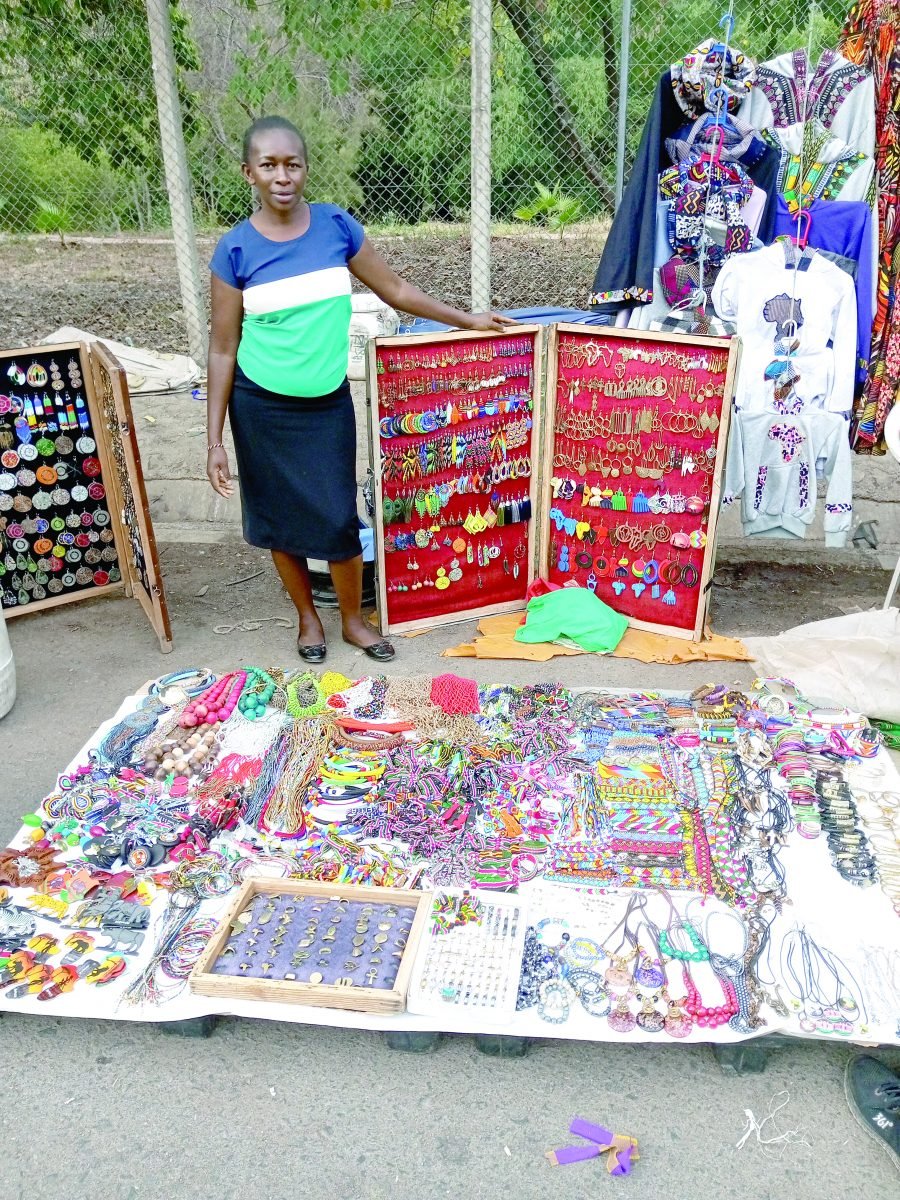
{"x": 380, "y": 651}
{"x": 312, "y": 654}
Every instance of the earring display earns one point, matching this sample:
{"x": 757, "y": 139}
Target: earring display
{"x": 639, "y": 426}
{"x": 52, "y": 489}
{"x": 303, "y": 943}
{"x": 471, "y": 957}
{"x": 452, "y": 437}
{"x": 70, "y": 526}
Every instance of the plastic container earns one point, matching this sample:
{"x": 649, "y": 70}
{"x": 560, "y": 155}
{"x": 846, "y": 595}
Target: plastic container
{"x": 7, "y": 670}
{"x": 371, "y": 318}
{"x": 324, "y": 595}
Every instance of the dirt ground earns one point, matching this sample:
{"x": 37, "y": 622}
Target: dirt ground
{"x": 127, "y": 289}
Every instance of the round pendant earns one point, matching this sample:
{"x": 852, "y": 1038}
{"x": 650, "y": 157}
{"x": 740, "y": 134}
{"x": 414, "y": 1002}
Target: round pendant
{"x": 617, "y": 977}
{"x": 652, "y": 1021}
{"x": 649, "y": 974}
{"x": 621, "y": 1020}
{"x": 677, "y": 1024}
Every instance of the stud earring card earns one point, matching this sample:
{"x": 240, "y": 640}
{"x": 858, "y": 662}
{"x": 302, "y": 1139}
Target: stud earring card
{"x": 453, "y": 424}
{"x": 637, "y": 425}
{"x": 470, "y": 956}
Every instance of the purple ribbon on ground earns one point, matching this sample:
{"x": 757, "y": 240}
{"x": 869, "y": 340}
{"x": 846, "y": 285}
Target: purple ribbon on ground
{"x": 601, "y": 1140}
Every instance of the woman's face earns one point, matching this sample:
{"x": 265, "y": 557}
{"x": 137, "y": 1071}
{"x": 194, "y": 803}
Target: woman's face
{"x": 277, "y": 169}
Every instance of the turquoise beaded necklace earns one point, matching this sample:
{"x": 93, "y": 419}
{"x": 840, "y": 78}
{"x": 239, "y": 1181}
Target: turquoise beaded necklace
{"x": 698, "y": 954}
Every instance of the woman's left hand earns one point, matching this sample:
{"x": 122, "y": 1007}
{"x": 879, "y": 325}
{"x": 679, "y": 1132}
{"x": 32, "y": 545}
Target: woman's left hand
{"x": 490, "y": 321}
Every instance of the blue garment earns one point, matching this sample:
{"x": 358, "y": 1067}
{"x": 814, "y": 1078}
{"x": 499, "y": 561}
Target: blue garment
{"x": 843, "y": 227}
{"x": 295, "y": 334}
{"x": 528, "y": 316}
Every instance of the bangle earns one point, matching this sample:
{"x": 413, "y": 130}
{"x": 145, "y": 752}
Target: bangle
{"x": 216, "y": 446}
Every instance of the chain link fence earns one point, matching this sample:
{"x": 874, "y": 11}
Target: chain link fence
{"x": 79, "y": 140}
{"x": 517, "y": 173}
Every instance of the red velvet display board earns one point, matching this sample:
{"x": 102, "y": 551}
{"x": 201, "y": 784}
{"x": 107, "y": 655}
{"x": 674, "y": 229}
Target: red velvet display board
{"x": 453, "y": 419}
{"x": 637, "y": 427}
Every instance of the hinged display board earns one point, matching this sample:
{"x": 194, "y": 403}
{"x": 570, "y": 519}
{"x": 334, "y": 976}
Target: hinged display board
{"x": 73, "y": 510}
{"x": 453, "y": 418}
{"x": 144, "y": 574}
{"x": 637, "y": 425}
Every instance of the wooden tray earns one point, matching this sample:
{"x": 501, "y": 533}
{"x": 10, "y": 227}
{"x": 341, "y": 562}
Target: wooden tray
{"x": 205, "y": 982}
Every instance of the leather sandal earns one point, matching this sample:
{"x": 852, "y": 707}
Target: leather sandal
{"x": 312, "y": 654}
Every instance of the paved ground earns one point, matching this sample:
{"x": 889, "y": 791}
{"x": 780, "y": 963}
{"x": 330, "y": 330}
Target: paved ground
{"x": 276, "y": 1112}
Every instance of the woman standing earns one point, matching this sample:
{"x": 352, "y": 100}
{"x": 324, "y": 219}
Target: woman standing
{"x": 278, "y": 366}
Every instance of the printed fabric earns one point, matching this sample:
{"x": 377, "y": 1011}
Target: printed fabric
{"x": 705, "y": 215}
{"x": 739, "y": 142}
{"x": 835, "y": 93}
{"x": 625, "y": 274}
{"x": 295, "y": 335}
{"x": 813, "y": 165}
{"x": 707, "y": 68}
{"x": 797, "y": 321}
{"x": 845, "y": 232}
{"x": 872, "y": 40}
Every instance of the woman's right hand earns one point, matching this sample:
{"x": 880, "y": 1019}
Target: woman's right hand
{"x": 218, "y": 472}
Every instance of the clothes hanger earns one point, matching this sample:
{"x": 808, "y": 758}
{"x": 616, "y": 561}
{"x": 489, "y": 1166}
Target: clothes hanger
{"x": 804, "y": 225}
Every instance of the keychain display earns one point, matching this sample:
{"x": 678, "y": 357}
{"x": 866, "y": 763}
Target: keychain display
{"x": 55, "y": 535}
{"x": 453, "y": 421}
{"x": 631, "y": 492}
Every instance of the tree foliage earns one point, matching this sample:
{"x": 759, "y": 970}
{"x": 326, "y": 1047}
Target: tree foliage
{"x": 381, "y": 88}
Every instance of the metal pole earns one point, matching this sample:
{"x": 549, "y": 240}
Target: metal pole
{"x": 624, "y": 71}
{"x": 481, "y": 33}
{"x": 178, "y": 180}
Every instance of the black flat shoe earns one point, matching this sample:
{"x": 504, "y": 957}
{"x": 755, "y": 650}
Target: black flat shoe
{"x": 381, "y": 651}
{"x": 312, "y": 654}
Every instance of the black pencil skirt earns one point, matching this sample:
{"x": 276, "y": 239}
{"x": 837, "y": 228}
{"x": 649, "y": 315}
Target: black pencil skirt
{"x": 296, "y": 460}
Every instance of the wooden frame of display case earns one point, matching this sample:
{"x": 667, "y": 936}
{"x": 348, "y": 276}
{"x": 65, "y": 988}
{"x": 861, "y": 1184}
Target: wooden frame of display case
{"x": 730, "y": 349}
{"x": 388, "y": 625}
{"x": 205, "y": 982}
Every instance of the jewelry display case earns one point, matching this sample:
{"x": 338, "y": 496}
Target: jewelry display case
{"x": 636, "y": 430}
{"x": 330, "y": 946}
{"x": 74, "y": 518}
{"x": 453, "y": 424}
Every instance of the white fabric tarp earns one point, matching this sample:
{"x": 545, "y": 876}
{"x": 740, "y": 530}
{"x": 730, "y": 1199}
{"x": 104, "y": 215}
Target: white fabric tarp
{"x": 853, "y": 661}
{"x": 148, "y": 371}
{"x": 833, "y": 910}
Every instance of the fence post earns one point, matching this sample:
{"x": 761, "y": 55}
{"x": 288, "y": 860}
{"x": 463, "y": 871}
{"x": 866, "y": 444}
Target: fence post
{"x": 624, "y": 71}
{"x": 178, "y": 181}
{"x": 481, "y": 13}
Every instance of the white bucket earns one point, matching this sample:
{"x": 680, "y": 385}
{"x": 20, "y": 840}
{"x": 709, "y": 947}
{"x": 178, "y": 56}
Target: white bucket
{"x": 7, "y": 670}
{"x": 371, "y": 318}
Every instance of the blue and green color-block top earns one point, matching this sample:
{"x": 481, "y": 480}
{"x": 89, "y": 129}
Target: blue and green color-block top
{"x": 295, "y": 335}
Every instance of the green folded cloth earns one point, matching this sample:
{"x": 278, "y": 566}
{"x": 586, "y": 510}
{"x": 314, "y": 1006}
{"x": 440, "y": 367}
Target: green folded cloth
{"x": 576, "y": 614}
{"x": 889, "y": 731}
